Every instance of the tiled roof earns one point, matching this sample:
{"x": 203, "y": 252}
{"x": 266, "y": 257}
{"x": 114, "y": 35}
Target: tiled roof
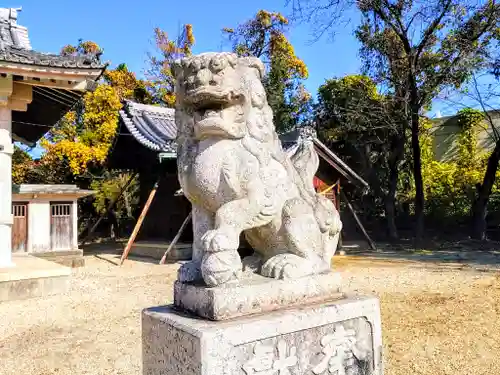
{"x": 12, "y": 34}
{"x": 15, "y": 47}
{"x": 50, "y": 189}
{"x": 152, "y": 126}
{"x": 290, "y": 140}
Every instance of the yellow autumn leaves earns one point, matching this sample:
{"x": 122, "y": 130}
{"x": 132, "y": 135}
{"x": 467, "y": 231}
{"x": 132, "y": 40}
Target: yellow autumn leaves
{"x": 88, "y": 141}
{"x": 85, "y": 134}
{"x": 281, "y": 47}
{"x": 160, "y": 77}
{"x": 264, "y": 36}
{"x": 124, "y": 82}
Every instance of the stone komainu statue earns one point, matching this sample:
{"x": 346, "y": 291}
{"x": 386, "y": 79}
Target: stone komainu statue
{"x": 239, "y": 179}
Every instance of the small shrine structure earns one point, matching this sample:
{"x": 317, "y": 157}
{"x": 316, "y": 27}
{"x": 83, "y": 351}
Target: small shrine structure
{"x": 36, "y": 90}
{"x": 45, "y": 218}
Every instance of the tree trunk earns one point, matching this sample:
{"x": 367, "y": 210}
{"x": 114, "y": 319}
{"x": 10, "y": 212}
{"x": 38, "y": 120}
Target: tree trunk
{"x": 398, "y": 145}
{"x": 417, "y": 174}
{"x": 390, "y": 214}
{"x": 127, "y": 205}
{"x": 389, "y": 197}
{"x": 126, "y": 198}
{"x": 390, "y": 204}
{"x": 480, "y": 204}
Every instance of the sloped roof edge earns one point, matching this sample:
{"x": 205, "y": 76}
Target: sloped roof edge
{"x": 330, "y": 157}
{"x": 306, "y": 133}
{"x": 152, "y": 126}
{"x": 50, "y": 189}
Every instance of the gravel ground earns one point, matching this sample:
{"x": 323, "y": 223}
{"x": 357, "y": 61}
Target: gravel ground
{"x": 436, "y": 319}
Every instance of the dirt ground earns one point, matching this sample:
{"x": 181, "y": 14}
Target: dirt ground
{"x": 437, "y": 319}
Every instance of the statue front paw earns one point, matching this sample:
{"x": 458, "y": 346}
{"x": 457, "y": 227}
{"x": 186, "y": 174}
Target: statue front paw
{"x": 221, "y": 239}
{"x": 221, "y": 268}
{"x": 189, "y": 272}
{"x": 291, "y": 266}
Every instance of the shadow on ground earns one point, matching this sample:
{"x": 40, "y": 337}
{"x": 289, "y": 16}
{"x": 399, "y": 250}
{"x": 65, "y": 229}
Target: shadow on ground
{"x": 481, "y": 255}
{"x": 111, "y": 252}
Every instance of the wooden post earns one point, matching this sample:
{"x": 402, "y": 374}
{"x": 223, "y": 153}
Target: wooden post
{"x": 176, "y": 238}
{"x": 110, "y": 206}
{"x": 327, "y": 190}
{"x": 372, "y": 245}
{"x": 139, "y": 223}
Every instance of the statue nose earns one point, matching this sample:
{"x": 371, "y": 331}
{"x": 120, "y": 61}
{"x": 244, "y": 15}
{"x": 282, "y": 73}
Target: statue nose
{"x": 203, "y": 77}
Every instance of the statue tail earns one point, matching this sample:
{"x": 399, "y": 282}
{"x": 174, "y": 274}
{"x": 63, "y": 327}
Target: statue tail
{"x": 305, "y": 161}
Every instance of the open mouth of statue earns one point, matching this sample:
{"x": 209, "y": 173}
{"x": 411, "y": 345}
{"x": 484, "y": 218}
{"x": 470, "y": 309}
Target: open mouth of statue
{"x": 208, "y": 114}
{"x": 216, "y": 112}
{"x": 209, "y": 97}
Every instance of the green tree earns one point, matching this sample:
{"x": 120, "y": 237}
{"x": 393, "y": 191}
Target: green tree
{"x": 110, "y": 187}
{"x": 420, "y": 48}
{"x": 486, "y": 97}
{"x": 448, "y": 185}
{"x": 416, "y": 49}
{"x": 264, "y": 36}
{"x": 367, "y": 127}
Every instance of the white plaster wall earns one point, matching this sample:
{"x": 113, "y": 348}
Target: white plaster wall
{"x": 74, "y": 212}
{"x": 39, "y": 226}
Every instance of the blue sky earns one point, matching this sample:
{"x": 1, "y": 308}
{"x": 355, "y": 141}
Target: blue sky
{"x": 125, "y": 30}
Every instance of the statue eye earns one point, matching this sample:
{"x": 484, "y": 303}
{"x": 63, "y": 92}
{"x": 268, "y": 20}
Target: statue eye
{"x": 218, "y": 63}
{"x": 195, "y": 65}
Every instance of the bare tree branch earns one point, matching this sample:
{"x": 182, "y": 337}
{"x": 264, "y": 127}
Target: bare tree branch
{"x": 432, "y": 28}
{"x": 323, "y": 15}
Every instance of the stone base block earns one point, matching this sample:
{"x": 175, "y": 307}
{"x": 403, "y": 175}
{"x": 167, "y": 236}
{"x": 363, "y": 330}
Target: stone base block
{"x": 255, "y": 294}
{"x": 31, "y": 288}
{"x": 32, "y": 277}
{"x": 342, "y": 337}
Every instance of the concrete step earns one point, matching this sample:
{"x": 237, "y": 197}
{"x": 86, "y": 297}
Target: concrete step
{"x": 70, "y": 258}
{"x": 31, "y": 277}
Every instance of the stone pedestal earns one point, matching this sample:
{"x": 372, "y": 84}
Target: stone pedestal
{"x": 255, "y": 294}
{"x": 341, "y": 337}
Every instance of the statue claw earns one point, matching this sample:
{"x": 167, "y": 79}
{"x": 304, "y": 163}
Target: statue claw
{"x": 291, "y": 266}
